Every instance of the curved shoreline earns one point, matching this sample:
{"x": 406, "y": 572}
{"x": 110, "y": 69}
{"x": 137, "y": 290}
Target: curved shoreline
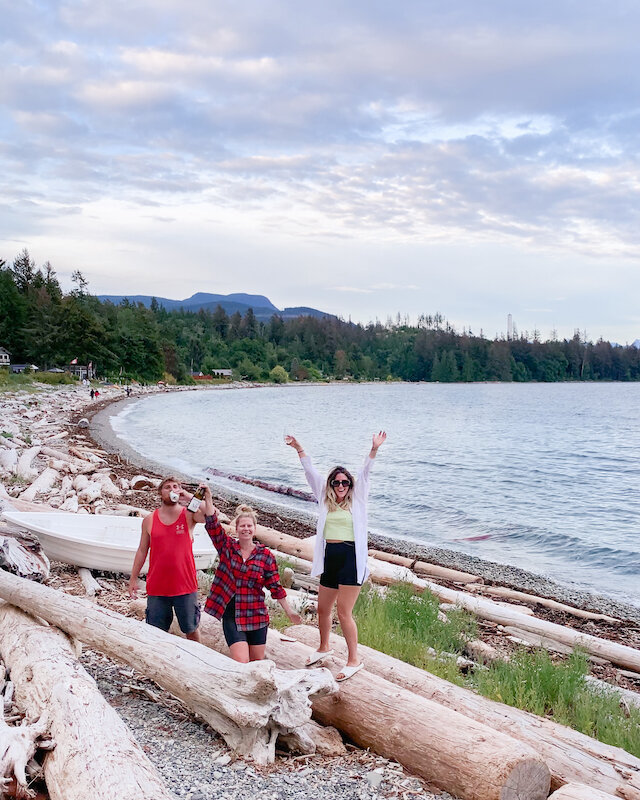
{"x": 102, "y": 431}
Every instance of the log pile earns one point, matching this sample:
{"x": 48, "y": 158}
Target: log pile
{"x": 248, "y": 704}
{"x": 423, "y": 735}
{"x": 96, "y": 756}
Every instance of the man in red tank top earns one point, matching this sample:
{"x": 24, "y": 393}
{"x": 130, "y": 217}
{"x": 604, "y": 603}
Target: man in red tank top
{"x": 172, "y": 585}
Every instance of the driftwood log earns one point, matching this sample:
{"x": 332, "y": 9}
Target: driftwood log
{"x": 427, "y": 569}
{"x": 309, "y": 738}
{"x": 22, "y": 555}
{"x": 91, "y": 585}
{"x": 451, "y": 751}
{"x": 547, "y": 602}
{"x": 95, "y": 754}
{"x": 578, "y": 791}
{"x": 571, "y": 756}
{"x": 248, "y": 704}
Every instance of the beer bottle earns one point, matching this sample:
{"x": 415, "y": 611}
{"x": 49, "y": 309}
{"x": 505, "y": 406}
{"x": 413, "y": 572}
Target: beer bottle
{"x": 198, "y": 497}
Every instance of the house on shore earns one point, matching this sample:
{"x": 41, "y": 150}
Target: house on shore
{"x": 5, "y": 358}
{"x": 18, "y": 369}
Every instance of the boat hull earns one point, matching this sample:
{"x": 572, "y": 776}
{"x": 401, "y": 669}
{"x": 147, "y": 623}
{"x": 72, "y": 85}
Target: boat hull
{"x": 100, "y": 542}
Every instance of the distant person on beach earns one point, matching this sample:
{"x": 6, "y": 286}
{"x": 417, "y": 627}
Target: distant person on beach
{"x": 236, "y": 595}
{"x": 92, "y": 393}
{"x": 172, "y": 584}
{"x": 340, "y": 555}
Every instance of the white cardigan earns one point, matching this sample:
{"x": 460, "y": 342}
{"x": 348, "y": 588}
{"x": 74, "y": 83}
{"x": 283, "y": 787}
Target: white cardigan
{"x": 358, "y": 512}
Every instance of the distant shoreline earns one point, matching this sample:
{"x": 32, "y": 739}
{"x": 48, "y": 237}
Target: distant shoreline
{"x": 102, "y": 431}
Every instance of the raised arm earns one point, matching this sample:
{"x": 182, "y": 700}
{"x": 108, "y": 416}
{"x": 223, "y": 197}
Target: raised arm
{"x": 362, "y": 481}
{"x": 314, "y": 478}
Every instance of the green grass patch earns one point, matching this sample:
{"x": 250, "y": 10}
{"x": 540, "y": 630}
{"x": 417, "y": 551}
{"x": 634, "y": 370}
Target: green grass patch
{"x": 55, "y": 378}
{"x": 404, "y": 625}
{"x": 532, "y": 681}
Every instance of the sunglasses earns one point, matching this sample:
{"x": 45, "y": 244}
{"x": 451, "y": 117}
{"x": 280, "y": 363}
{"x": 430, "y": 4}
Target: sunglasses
{"x": 335, "y": 483}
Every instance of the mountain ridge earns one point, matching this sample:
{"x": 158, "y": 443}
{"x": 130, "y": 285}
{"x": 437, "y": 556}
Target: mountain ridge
{"x": 262, "y": 307}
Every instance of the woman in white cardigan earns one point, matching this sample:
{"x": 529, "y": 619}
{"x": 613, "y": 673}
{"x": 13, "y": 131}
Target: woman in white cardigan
{"x": 340, "y": 554}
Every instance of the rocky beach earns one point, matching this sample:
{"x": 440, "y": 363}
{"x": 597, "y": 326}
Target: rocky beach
{"x": 59, "y": 451}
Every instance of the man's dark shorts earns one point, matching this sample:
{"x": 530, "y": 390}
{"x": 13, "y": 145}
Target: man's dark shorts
{"x": 339, "y": 565}
{"x": 160, "y": 611}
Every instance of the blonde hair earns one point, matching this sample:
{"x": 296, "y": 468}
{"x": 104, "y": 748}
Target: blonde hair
{"x": 330, "y": 495}
{"x": 245, "y": 511}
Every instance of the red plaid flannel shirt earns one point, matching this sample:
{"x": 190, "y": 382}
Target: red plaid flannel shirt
{"x": 244, "y": 579}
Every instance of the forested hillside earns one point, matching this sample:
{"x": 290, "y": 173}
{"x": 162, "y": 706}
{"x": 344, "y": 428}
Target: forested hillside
{"x": 40, "y": 324}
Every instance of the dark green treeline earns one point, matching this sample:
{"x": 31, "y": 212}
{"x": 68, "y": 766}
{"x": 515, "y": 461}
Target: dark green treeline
{"x": 42, "y": 325}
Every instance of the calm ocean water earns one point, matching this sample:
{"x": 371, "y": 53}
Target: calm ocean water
{"x": 540, "y": 476}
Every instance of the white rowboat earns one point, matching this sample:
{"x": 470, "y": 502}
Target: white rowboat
{"x": 97, "y": 541}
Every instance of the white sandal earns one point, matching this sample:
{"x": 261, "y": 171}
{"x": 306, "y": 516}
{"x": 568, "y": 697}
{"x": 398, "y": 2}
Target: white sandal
{"x": 347, "y": 672}
{"x": 317, "y": 656}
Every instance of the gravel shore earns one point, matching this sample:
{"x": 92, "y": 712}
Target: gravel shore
{"x": 492, "y": 572}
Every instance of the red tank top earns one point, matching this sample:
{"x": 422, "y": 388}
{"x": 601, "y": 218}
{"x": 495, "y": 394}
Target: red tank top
{"x": 172, "y": 568}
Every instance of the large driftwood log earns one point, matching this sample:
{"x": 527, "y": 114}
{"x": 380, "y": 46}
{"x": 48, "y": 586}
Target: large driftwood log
{"x": 385, "y": 574}
{"x": 308, "y": 738}
{"x": 547, "y": 602}
{"x": 424, "y": 568}
{"x": 455, "y": 753}
{"x": 45, "y": 480}
{"x": 570, "y": 755}
{"x": 95, "y": 754}
{"x": 248, "y": 704}
{"x": 91, "y": 585}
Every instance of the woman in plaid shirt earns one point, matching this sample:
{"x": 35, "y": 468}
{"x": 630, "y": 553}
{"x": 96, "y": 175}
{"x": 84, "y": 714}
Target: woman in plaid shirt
{"x": 236, "y": 595}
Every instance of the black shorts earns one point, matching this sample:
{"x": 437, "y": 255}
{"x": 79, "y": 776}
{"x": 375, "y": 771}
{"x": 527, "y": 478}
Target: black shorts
{"x": 160, "y": 611}
{"x": 339, "y": 565}
{"x": 231, "y": 633}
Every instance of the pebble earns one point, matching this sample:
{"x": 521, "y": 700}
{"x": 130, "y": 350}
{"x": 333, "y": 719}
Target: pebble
{"x": 196, "y": 764}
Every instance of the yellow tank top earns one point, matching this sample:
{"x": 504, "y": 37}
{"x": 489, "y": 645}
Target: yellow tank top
{"x": 339, "y": 526}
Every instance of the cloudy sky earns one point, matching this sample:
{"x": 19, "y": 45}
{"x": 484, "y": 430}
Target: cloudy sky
{"x": 365, "y": 158}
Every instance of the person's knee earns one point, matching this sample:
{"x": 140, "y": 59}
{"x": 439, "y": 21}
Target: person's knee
{"x": 345, "y": 614}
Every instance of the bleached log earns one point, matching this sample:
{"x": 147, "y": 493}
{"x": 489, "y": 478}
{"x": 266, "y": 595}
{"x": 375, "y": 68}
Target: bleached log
{"x": 482, "y": 651}
{"x": 141, "y": 482}
{"x": 519, "y": 636}
{"x": 300, "y": 601}
{"x": 248, "y": 704}
{"x": 95, "y": 754}
{"x": 570, "y": 755}
{"x": 23, "y": 556}
{"x": 274, "y": 540}
{"x": 66, "y": 485}
{"x": 135, "y": 511}
{"x": 91, "y": 585}
{"x": 308, "y": 738}
{"x": 578, "y": 791}
{"x": 56, "y": 437}
{"x": 80, "y": 482}
{"x": 45, "y": 480}
{"x": 81, "y": 465}
{"x": 625, "y": 697}
{"x": 108, "y": 486}
{"x": 9, "y": 460}
{"x": 92, "y": 491}
{"x": 512, "y": 594}
{"x": 299, "y": 564}
{"x": 425, "y": 568}
{"x": 71, "y": 504}
{"x": 23, "y": 467}
{"x": 85, "y": 455}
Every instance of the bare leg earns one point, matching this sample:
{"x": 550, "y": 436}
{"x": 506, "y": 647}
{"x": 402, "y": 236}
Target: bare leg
{"x": 194, "y": 636}
{"x": 347, "y": 596}
{"x": 326, "y": 601}
{"x": 256, "y": 652}
{"x": 239, "y": 651}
